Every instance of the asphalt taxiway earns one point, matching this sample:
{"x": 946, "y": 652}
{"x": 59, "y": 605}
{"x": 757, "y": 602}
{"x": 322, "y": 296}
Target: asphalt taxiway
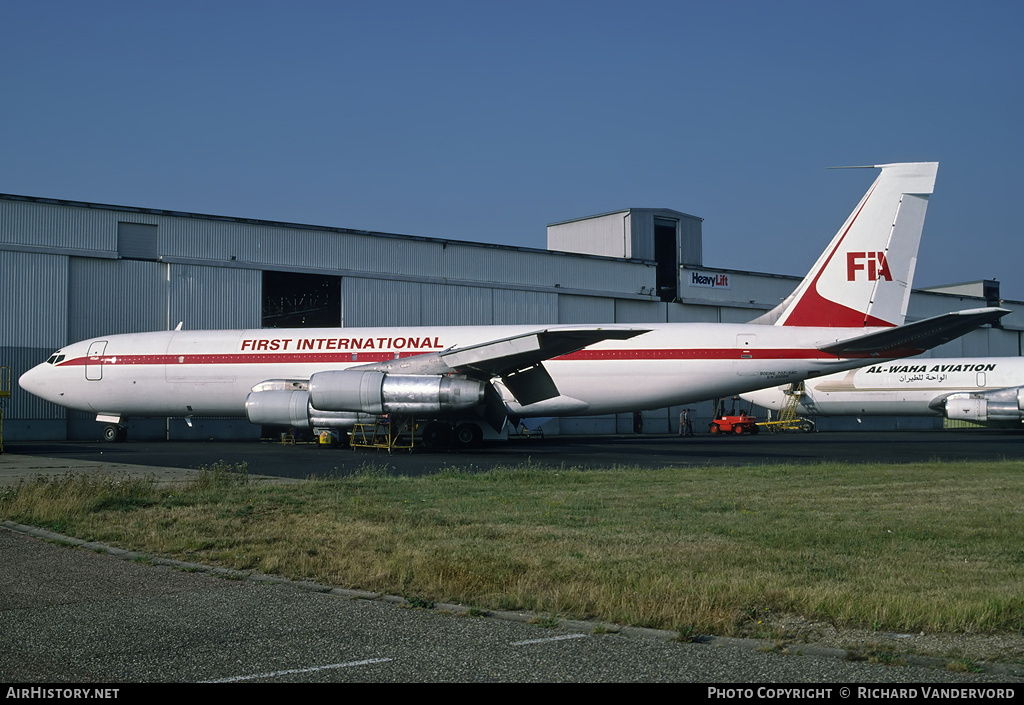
{"x": 23, "y": 459}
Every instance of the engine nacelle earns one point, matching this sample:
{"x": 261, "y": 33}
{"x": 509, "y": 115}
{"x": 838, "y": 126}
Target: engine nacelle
{"x": 998, "y": 405}
{"x": 373, "y": 392}
{"x": 277, "y": 407}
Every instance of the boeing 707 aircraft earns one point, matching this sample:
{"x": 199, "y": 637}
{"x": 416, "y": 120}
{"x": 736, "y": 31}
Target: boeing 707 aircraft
{"x": 846, "y": 313}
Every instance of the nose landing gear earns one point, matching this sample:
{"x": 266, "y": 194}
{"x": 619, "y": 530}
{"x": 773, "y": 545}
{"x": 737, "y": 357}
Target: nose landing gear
{"x": 115, "y": 433}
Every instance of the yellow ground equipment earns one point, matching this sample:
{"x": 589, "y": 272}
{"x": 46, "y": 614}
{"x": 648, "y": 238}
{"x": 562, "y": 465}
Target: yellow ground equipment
{"x": 788, "y": 420}
{"x": 390, "y": 432}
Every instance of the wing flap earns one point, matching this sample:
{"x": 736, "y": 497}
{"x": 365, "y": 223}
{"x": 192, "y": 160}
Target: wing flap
{"x": 915, "y": 338}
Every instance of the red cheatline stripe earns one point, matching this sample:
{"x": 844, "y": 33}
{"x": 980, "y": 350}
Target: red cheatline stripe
{"x": 234, "y": 358}
{"x": 348, "y": 358}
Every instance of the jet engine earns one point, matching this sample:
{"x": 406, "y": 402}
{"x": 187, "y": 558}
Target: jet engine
{"x": 373, "y": 392}
{"x": 276, "y": 407}
{"x": 343, "y": 398}
{"x": 999, "y": 405}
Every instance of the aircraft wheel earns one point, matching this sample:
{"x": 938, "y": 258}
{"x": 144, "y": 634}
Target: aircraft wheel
{"x": 437, "y": 434}
{"x": 113, "y": 433}
{"x": 468, "y": 435}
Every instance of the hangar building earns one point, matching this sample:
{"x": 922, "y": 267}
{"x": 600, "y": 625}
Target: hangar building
{"x": 72, "y": 270}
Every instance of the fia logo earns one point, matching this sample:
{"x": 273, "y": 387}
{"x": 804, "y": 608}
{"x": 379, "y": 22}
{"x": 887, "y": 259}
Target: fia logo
{"x": 873, "y": 262}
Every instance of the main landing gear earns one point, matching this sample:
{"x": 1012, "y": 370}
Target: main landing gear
{"x": 438, "y": 434}
{"x": 468, "y": 435}
{"x": 404, "y": 433}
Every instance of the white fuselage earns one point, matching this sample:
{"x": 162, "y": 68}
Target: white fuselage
{"x": 860, "y": 282}
{"x": 908, "y": 387}
{"x": 210, "y": 373}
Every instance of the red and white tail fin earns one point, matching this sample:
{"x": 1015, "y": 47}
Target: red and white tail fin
{"x": 863, "y": 278}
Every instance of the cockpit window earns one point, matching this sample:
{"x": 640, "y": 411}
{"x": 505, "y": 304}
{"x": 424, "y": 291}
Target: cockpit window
{"x": 55, "y": 359}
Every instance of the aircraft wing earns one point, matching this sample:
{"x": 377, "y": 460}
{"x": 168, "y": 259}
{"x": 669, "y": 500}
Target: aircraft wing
{"x": 505, "y": 356}
{"x": 498, "y": 358}
{"x": 915, "y": 338}
{"x": 517, "y": 360}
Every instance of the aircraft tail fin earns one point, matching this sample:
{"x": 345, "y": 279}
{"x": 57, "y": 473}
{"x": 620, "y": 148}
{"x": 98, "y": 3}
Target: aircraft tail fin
{"x": 863, "y": 277}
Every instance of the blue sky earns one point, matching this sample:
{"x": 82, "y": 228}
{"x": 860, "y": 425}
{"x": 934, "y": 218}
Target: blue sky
{"x": 488, "y": 121}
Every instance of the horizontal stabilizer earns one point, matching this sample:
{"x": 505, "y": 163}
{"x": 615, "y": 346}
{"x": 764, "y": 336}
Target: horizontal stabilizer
{"x": 915, "y": 338}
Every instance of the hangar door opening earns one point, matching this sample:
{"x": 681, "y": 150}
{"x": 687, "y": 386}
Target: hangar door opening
{"x": 295, "y": 300}
{"x": 666, "y": 254}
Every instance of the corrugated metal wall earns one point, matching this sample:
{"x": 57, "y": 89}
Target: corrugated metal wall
{"x": 691, "y": 241}
{"x": 33, "y": 300}
{"x": 211, "y": 297}
{"x": 640, "y": 312}
{"x": 522, "y": 307}
{"x": 607, "y": 235}
{"x": 58, "y": 227}
{"x": 585, "y": 309}
{"x": 112, "y": 296}
{"x": 628, "y": 233}
{"x": 33, "y": 324}
{"x": 380, "y": 302}
{"x": 689, "y": 313}
{"x": 273, "y": 247}
{"x": 641, "y": 233}
{"x": 456, "y": 305}
{"x": 389, "y": 302}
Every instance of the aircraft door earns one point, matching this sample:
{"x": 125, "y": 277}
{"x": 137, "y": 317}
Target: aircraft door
{"x": 94, "y": 360}
{"x": 745, "y": 344}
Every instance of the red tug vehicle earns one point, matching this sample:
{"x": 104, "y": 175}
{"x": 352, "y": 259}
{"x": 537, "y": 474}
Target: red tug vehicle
{"x": 734, "y": 424}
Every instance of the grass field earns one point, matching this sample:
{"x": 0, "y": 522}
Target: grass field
{"x": 930, "y": 546}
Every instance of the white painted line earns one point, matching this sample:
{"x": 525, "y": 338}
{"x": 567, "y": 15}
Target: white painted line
{"x": 551, "y": 638}
{"x": 350, "y": 664}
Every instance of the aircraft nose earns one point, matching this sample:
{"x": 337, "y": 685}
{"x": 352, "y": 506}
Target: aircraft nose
{"x": 34, "y": 381}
